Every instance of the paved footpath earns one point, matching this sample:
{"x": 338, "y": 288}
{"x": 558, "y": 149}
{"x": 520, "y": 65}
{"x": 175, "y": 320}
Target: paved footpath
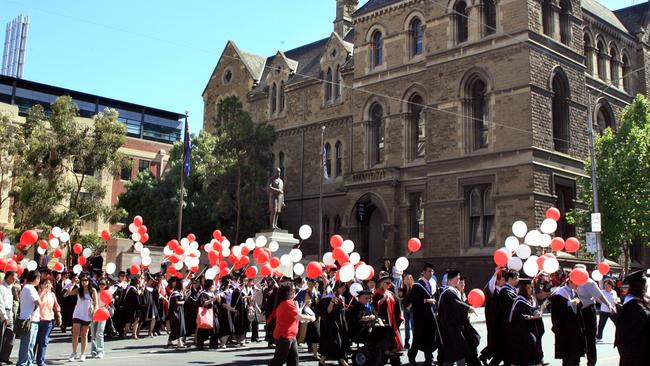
{"x": 150, "y": 352}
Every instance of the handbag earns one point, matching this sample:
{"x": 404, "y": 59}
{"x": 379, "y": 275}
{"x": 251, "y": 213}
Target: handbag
{"x": 204, "y": 318}
{"x": 251, "y": 314}
{"x": 22, "y": 327}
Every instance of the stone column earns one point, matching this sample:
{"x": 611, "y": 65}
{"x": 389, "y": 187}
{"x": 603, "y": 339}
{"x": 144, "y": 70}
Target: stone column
{"x": 590, "y": 51}
{"x": 476, "y": 23}
{"x": 555, "y": 23}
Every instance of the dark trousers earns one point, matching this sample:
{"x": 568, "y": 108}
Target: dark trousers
{"x": 286, "y": 351}
{"x": 567, "y": 362}
{"x": 7, "y": 337}
{"x": 255, "y": 331}
{"x": 428, "y": 356}
{"x": 601, "y": 323}
{"x": 203, "y": 334}
{"x": 589, "y": 317}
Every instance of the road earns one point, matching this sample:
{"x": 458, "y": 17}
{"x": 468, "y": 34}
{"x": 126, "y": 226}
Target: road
{"x": 150, "y": 351}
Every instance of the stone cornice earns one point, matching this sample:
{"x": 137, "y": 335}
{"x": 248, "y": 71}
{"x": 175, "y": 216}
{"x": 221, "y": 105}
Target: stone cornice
{"x": 385, "y": 10}
{"x": 314, "y": 126}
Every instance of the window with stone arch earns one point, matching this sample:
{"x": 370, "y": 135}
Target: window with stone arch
{"x": 417, "y": 127}
{"x": 490, "y": 17}
{"x": 281, "y": 96}
{"x": 481, "y": 210}
{"x": 337, "y": 83}
{"x": 461, "y": 23}
{"x": 274, "y": 98}
{"x": 614, "y": 66}
{"x": 601, "y": 59}
{"x": 476, "y": 90}
{"x": 625, "y": 71}
{"x": 565, "y": 21}
{"x": 417, "y": 37}
{"x": 377, "y": 134}
{"x": 328, "y": 159}
{"x": 337, "y": 225}
{"x": 328, "y": 85}
{"x": 377, "y": 49}
{"x": 338, "y": 152}
{"x": 604, "y": 117}
{"x": 547, "y": 17}
{"x": 560, "y": 111}
{"x": 589, "y": 53}
{"x": 281, "y": 164}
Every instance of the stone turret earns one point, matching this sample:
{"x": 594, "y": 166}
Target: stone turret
{"x": 343, "y": 21}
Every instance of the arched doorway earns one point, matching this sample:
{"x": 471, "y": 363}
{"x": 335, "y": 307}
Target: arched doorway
{"x": 371, "y": 220}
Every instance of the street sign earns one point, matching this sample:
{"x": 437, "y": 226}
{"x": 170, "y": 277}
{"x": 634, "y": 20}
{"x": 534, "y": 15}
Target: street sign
{"x": 595, "y": 222}
{"x": 592, "y": 242}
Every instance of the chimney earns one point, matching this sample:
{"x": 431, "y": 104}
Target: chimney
{"x": 343, "y": 21}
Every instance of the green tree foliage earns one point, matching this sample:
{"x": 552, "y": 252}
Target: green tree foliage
{"x": 10, "y": 144}
{"x": 623, "y": 170}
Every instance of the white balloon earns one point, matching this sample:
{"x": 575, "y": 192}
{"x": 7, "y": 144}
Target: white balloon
{"x": 298, "y": 269}
{"x": 236, "y": 251}
{"x": 138, "y": 247}
{"x": 261, "y": 241}
{"x": 145, "y": 252}
{"x": 551, "y": 265}
{"x": 363, "y": 272}
{"x": 328, "y": 260}
{"x": 225, "y": 243}
{"x": 194, "y": 245}
{"x": 132, "y": 228}
{"x": 304, "y": 232}
{"x": 178, "y": 265}
{"x": 225, "y": 251}
{"x": 519, "y": 228}
{"x": 32, "y": 265}
{"x": 210, "y": 274}
{"x": 249, "y": 243}
{"x": 295, "y": 255}
{"x": 530, "y": 266}
{"x": 515, "y": 263}
{"x": 87, "y": 252}
{"x": 185, "y": 242}
{"x": 355, "y": 258}
{"x": 285, "y": 260}
{"x": 548, "y": 226}
{"x": 64, "y": 237}
{"x": 54, "y": 242}
{"x": 40, "y": 250}
{"x": 401, "y": 263}
{"x": 274, "y": 246}
{"x": 136, "y": 260}
{"x": 24, "y": 263}
{"x": 167, "y": 252}
{"x": 355, "y": 288}
{"x": 136, "y": 236}
{"x": 56, "y": 232}
{"x": 512, "y": 243}
{"x": 346, "y": 273}
{"x": 6, "y": 248}
{"x": 348, "y": 246}
{"x": 533, "y": 238}
{"x": 546, "y": 241}
{"x": 523, "y": 251}
{"x": 208, "y": 247}
{"x": 596, "y": 275}
{"x": 146, "y": 261}
{"x": 110, "y": 268}
{"x": 77, "y": 269}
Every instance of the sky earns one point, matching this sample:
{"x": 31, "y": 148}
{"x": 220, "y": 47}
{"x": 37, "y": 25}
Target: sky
{"x": 161, "y": 53}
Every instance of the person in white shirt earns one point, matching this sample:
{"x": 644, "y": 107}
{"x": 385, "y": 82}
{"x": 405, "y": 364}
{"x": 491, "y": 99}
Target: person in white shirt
{"x": 6, "y": 317}
{"x": 605, "y": 311}
{"x": 30, "y": 303}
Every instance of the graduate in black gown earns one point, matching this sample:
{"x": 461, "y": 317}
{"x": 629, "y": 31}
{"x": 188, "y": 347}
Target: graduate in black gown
{"x": 568, "y": 326}
{"x": 527, "y": 327}
{"x": 133, "y": 307}
{"x": 151, "y": 312}
{"x": 491, "y": 290}
{"x": 633, "y": 323}
{"x": 190, "y": 307}
{"x": 269, "y": 297}
{"x": 208, "y": 299}
{"x": 387, "y": 306}
{"x": 426, "y": 337}
{"x": 177, "y": 315}
{"x": 453, "y": 315}
{"x": 504, "y": 300}
{"x": 334, "y": 343}
{"x": 308, "y": 299}
{"x": 68, "y": 305}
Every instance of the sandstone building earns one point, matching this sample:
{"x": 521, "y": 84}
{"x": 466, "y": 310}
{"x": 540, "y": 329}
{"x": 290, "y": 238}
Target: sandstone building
{"x": 444, "y": 120}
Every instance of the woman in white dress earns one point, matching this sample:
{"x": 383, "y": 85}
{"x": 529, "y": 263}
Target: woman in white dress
{"x": 83, "y": 313}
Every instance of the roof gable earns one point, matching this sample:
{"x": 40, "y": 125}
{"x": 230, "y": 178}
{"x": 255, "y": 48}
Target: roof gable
{"x": 254, "y": 64}
{"x": 634, "y": 17}
{"x": 601, "y": 11}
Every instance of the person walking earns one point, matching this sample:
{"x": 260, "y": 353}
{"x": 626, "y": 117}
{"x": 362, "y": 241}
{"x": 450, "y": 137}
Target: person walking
{"x": 453, "y": 316}
{"x": 83, "y": 313}
{"x": 527, "y": 327}
{"x": 287, "y": 318}
{"x": 404, "y": 294}
{"x": 6, "y": 317}
{"x": 605, "y": 311}
{"x": 97, "y": 328}
{"x": 633, "y": 327}
{"x": 177, "y": 315}
{"x": 426, "y": 334}
{"x": 568, "y": 325}
{"x": 28, "y": 319}
{"x": 50, "y": 314}
{"x": 208, "y": 299}
{"x": 334, "y": 342}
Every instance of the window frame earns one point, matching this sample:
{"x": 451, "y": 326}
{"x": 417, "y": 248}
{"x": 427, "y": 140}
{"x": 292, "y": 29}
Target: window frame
{"x": 338, "y": 148}
{"x": 461, "y": 22}
{"x": 377, "y": 56}
{"x": 416, "y": 30}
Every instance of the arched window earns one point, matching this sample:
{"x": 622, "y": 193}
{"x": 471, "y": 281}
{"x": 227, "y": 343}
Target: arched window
{"x": 328, "y": 160}
{"x": 490, "y": 16}
{"x": 479, "y": 113}
{"x": 281, "y": 96}
{"x": 602, "y": 60}
{"x": 326, "y": 229}
{"x": 328, "y": 85}
{"x": 337, "y": 83}
{"x": 281, "y": 164}
{"x": 565, "y": 23}
{"x": 604, "y": 118}
{"x": 625, "y": 70}
{"x": 274, "y": 98}
{"x": 377, "y": 48}
{"x": 339, "y": 158}
{"x": 377, "y": 137}
{"x": 462, "y": 26}
{"x": 337, "y": 224}
{"x": 417, "y": 127}
{"x": 589, "y": 53}
{"x": 560, "y": 111}
{"x": 614, "y": 66}
{"x": 547, "y": 17}
{"x": 417, "y": 34}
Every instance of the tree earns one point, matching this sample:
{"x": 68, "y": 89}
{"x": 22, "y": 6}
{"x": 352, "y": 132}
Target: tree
{"x": 623, "y": 171}
{"x": 10, "y": 145}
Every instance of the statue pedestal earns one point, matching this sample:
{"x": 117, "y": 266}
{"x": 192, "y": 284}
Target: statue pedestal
{"x": 286, "y": 241}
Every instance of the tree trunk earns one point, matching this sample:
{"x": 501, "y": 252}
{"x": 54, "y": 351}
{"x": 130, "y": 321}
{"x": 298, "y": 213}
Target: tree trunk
{"x": 626, "y": 255}
{"x": 238, "y": 202}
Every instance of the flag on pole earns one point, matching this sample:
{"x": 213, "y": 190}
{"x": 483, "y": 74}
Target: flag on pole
{"x": 325, "y": 175}
{"x": 187, "y": 150}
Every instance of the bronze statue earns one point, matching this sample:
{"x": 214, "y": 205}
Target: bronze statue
{"x": 276, "y": 198}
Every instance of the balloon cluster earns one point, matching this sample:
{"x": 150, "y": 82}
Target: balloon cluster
{"x": 139, "y": 236}
{"x": 350, "y": 265}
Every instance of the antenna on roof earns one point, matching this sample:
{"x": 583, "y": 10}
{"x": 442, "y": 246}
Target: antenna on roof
{"x": 13, "y": 58}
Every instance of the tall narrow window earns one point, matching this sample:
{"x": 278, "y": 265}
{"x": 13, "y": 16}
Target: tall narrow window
{"x": 337, "y": 225}
{"x": 326, "y": 229}
{"x": 490, "y": 16}
{"x": 328, "y": 160}
{"x": 417, "y": 127}
{"x": 377, "y": 48}
{"x": 281, "y": 164}
{"x": 602, "y": 60}
{"x": 339, "y": 158}
{"x": 478, "y": 90}
{"x": 589, "y": 54}
{"x": 565, "y": 23}
{"x": 462, "y": 25}
{"x": 480, "y": 210}
{"x": 377, "y": 134}
{"x": 328, "y": 85}
{"x": 281, "y": 96}
{"x": 416, "y": 215}
{"x": 626, "y": 73}
{"x": 614, "y": 75}
{"x": 417, "y": 35}
{"x": 565, "y": 203}
{"x": 274, "y": 98}
{"x": 547, "y": 17}
{"x": 337, "y": 83}
{"x": 560, "y": 112}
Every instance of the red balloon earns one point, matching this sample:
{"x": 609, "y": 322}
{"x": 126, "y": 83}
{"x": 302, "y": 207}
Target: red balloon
{"x": 179, "y": 275}
{"x": 251, "y": 272}
{"x": 101, "y": 315}
{"x": 173, "y": 245}
{"x": 557, "y": 244}
{"x": 191, "y": 237}
{"x": 579, "y": 276}
{"x": 77, "y": 248}
{"x": 262, "y": 256}
{"x": 137, "y": 221}
{"x": 11, "y": 266}
{"x": 142, "y": 230}
{"x": 277, "y": 274}
{"x": 339, "y": 254}
{"x": 194, "y": 269}
{"x": 572, "y": 245}
{"x": 275, "y": 262}
{"x": 3, "y": 263}
{"x": 224, "y": 272}
{"x": 144, "y": 238}
{"x": 540, "y": 262}
{"x": 20, "y": 257}
{"x": 414, "y": 245}
{"x": 501, "y": 257}
{"x": 106, "y": 297}
{"x": 244, "y": 261}
{"x": 213, "y": 257}
{"x": 603, "y": 268}
{"x": 553, "y": 213}
{"x": 476, "y": 298}
{"x": 223, "y": 264}
{"x": 372, "y": 272}
{"x": 216, "y": 234}
{"x": 20, "y": 270}
{"x": 173, "y": 259}
{"x": 105, "y": 235}
{"x": 29, "y": 237}
{"x": 82, "y": 260}
{"x": 245, "y": 250}
{"x": 266, "y": 270}
{"x": 171, "y": 270}
{"x": 336, "y": 241}
{"x": 134, "y": 269}
{"x": 314, "y": 270}
{"x": 179, "y": 251}
{"x": 58, "y": 267}
{"x": 41, "y": 244}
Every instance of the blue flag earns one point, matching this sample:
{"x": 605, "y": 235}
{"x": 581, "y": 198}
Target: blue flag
{"x": 187, "y": 150}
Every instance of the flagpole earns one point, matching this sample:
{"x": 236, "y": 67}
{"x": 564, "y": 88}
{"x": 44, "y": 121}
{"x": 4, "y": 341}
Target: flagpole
{"x": 320, "y": 193}
{"x": 182, "y": 193}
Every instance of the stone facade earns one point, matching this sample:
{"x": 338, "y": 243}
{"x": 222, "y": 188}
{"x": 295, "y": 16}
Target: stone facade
{"x": 456, "y": 177}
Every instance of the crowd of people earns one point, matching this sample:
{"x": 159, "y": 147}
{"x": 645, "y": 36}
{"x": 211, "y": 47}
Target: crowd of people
{"x": 334, "y": 319}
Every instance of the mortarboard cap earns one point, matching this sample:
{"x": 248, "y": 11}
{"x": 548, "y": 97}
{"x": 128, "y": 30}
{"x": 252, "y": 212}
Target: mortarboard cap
{"x": 365, "y": 292}
{"x": 636, "y": 276}
{"x": 452, "y": 273}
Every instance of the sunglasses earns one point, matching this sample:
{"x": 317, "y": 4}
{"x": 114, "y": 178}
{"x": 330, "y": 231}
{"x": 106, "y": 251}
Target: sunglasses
{"x": 84, "y": 280}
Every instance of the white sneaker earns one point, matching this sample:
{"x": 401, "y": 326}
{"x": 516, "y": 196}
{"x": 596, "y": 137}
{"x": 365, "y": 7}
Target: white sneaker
{"x": 72, "y": 357}
{"x": 82, "y": 358}
{"x": 100, "y": 355}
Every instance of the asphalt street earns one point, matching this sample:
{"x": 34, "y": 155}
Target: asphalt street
{"x": 151, "y": 351}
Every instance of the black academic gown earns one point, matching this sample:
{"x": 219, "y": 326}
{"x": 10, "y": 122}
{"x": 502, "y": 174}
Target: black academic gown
{"x": 491, "y": 321}
{"x": 633, "y": 333}
{"x": 177, "y": 316}
{"x": 568, "y": 326}
{"x": 132, "y": 305}
{"x": 425, "y": 329}
{"x": 453, "y": 317}
{"x": 527, "y": 334}
{"x": 392, "y": 318}
{"x": 334, "y": 342}
{"x": 240, "y": 319}
{"x": 504, "y": 300}
{"x": 150, "y": 298}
